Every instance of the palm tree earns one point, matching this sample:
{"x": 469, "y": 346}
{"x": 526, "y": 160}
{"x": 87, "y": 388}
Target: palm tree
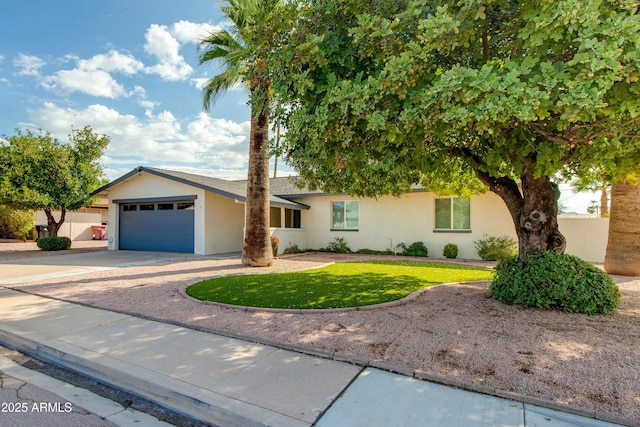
{"x": 596, "y": 181}
{"x": 239, "y": 53}
{"x": 623, "y": 245}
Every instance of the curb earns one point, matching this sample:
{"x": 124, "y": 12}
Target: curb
{"x": 57, "y": 357}
{"x": 183, "y": 398}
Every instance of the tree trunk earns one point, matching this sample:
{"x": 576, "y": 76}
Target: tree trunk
{"x": 52, "y": 225}
{"x": 623, "y": 244}
{"x": 257, "y": 250}
{"x": 534, "y": 211}
{"x": 604, "y": 203}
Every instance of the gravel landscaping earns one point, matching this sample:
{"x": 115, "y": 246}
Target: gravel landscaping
{"x": 454, "y": 330}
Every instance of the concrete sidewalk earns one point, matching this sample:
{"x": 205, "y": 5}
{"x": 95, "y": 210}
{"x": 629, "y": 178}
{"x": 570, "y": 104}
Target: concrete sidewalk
{"x": 233, "y": 382}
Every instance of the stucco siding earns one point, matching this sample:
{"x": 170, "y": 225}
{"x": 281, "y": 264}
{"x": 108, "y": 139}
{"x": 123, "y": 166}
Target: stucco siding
{"x": 388, "y": 221}
{"x": 224, "y": 222}
{"x": 586, "y": 237}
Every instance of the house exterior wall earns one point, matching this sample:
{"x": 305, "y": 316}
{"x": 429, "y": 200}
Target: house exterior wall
{"x": 388, "y": 221}
{"x": 586, "y": 237}
{"x": 143, "y": 186}
{"x": 224, "y": 222}
{"x": 385, "y": 222}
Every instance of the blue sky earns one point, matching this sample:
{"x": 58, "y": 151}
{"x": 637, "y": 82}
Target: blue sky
{"x": 128, "y": 68}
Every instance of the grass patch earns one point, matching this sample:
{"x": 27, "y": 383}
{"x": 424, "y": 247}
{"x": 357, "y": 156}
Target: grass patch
{"x": 349, "y": 284}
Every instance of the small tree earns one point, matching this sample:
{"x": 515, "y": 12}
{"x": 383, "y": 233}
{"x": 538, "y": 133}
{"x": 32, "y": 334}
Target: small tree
{"x": 40, "y": 172}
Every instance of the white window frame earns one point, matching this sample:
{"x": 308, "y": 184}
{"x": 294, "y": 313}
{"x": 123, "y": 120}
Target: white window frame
{"x": 452, "y": 216}
{"x": 343, "y": 226}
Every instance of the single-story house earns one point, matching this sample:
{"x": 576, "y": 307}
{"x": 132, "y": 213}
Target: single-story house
{"x": 163, "y": 210}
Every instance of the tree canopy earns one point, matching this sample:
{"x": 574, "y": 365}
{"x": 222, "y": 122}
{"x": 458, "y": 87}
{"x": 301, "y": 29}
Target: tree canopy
{"x": 511, "y": 94}
{"x": 39, "y": 172}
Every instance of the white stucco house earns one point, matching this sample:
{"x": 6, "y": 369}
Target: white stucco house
{"x": 157, "y": 209}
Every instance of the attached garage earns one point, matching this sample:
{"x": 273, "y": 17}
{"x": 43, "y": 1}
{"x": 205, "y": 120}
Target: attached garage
{"x": 161, "y": 210}
{"x": 157, "y": 225}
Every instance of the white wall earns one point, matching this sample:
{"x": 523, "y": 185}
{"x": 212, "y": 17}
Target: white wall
{"x": 388, "y": 221}
{"x": 77, "y": 225}
{"x": 385, "y": 222}
{"x": 289, "y": 237}
{"x": 224, "y": 222}
{"x": 586, "y": 237}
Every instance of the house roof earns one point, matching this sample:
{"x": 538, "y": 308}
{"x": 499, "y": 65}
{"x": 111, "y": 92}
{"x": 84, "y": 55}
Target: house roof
{"x": 233, "y": 189}
{"x": 287, "y": 188}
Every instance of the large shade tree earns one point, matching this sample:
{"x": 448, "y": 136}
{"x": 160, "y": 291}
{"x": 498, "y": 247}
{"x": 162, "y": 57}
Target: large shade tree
{"x": 38, "y": 172}
{"x": 239, "y": 52}
{"x": 509, "y": 93}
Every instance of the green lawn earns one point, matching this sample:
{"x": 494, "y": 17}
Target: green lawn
{"x": 349, "y": 284}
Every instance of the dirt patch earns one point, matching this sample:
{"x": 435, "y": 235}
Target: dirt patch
{"x": 455, "y": 330}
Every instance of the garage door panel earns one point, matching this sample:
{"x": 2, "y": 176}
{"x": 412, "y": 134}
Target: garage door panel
{"x": 157, "y": 230}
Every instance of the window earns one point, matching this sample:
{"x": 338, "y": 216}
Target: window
{"x": 292, "y": 218}
{"x": 130, "y": 208}
{"x": 344, "y": 215}
{"x": 185, "y": 205}
{"x": 275, "y": 221}
{"x": 165, "y": 206}
{"x": 453, "y": 213}
{"x": 147, "y": 207}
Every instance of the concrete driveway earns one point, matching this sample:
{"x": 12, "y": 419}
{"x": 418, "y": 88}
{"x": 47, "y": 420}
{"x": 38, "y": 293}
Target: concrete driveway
{"x": 38, "y": 268}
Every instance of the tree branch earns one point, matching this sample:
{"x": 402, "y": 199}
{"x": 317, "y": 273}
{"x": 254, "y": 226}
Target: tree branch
{"x": 571, "y": 139}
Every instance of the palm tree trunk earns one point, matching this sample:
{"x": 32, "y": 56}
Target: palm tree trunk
{"x": 604, "y": 202}
{"x": 623, "y": 245}
{"x": 257, "y": 250}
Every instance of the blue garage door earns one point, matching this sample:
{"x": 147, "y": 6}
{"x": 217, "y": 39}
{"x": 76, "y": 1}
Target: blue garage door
{"x": 157, "y": 226}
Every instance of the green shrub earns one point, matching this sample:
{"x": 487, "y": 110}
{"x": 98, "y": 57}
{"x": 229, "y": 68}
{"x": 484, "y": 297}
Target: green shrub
{"x": 54, "y": 243}
{"x": 338, "y": 245}
{"x": 293, "y": 249}
{"x": 450, "y": 250}
{"x": 548, "y": 280}
{"x": 16, "y": 223}
{"x": 374, "y": 252}
{"x": 496, "y": 248}
{"x": 416, "y": 249}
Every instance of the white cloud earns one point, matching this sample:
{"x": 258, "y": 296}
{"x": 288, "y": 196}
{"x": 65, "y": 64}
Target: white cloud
{"x": 141, "y": 93}
{"x": 30, "y": 65}
{"x": 91, "y": 82}
{"x": 159, "y": 139}
{"x": 92, "y": 76}
{"x": 163, "y": 45}
{"x": 190, "y": 32}
{"x": 113, "y": 61}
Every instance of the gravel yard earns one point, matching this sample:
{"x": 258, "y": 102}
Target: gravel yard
{"x": 454, "y": 330}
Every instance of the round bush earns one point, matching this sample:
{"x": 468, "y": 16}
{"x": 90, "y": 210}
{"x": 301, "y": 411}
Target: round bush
{"x": 548, "y": 280}
{"x": 54, "y": 243}
{"x": 495, "y": 248}
{"x": 416, "y": 249}
{"x": 450, "y": 250}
